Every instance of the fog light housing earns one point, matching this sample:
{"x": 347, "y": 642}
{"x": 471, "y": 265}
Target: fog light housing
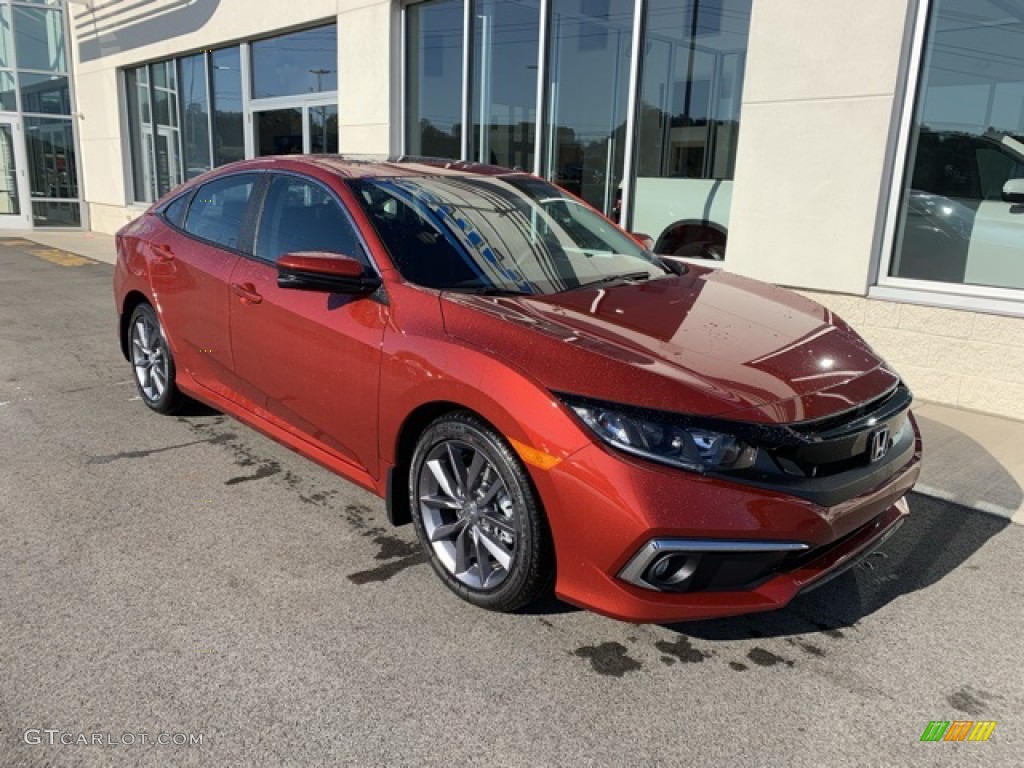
{"x": 672, "y": 570}
{"x": 712, "y": 565}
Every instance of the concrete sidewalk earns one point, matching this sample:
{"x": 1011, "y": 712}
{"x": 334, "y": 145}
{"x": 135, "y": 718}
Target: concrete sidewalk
{"x": 92, "y": 245}
{"x": 972, "y": 459}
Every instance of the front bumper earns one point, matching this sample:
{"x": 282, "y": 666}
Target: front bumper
{"x": 606, "y": 510}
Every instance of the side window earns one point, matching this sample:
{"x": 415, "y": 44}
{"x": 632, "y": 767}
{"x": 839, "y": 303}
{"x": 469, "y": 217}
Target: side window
{"x": 175, "y": 210}
{"x": 300, "y": 215}
{"x": 996, "y": 168}
{"x": 946, "y": 165}
{"x": 218, "y": 209}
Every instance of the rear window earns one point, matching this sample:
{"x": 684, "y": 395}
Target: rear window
{"x": 218, "y": 209}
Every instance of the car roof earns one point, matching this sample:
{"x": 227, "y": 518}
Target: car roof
{"x": 366, "y": 167}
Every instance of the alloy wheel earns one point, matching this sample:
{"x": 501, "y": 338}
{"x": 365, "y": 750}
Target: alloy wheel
{"x": 149, "y": 358}
{"x": 468, "y": 514}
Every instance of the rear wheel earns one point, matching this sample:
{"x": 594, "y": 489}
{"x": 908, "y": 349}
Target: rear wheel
{"x": 151, "y": 358}
{"x": 476, "y": 515}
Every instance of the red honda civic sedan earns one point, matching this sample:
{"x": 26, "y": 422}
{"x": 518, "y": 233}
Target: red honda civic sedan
{"x": 550, "y": 404}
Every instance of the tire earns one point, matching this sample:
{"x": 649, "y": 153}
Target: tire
{"x": 705, "y": 249}
{"x": 498, "y": 522}
{"x": 152, "y": 361}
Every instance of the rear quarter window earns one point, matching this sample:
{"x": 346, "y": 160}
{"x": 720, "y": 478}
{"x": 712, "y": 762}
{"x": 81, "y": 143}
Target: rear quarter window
{"x": 175, "y": 210}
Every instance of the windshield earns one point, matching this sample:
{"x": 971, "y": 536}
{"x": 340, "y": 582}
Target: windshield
{"x": 513, "y": 234}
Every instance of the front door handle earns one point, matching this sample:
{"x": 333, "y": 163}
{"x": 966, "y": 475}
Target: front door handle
{"x": 246, "y": 292}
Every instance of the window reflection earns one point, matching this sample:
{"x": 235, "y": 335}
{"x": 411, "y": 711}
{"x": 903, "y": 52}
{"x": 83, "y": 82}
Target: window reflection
{"x": 504, "y": 109}
{"x": 960, "y": 221}
{"x": 688, "y": 122}
{"x": 51, "y": 157}
{"x": 588, "y": 81}
{"x": 6, "y": 51}
{"x": 228, "y": 138}
{"x": 323, "y": 129}
{"x": 39, "y": 39}
{"x": 45, "y": 94}
{"x": 8, "y": 101}
{"x": 301, "y": 62}
{"x": 195, "y": 116}
{"x": 153, "y": 127}
{"x": 278, "y": 132}
{"x": 434, "y": 79}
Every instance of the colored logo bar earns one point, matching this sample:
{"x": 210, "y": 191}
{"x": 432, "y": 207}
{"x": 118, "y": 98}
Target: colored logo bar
{"x": 958, "y": 730}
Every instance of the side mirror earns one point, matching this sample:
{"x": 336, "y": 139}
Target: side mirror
{"x": 323, "y": 271}
{"x": 1013, "y": 191}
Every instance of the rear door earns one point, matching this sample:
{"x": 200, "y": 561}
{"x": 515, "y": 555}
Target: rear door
{"x": 191, "y": 260}
{"x": 309, "y": 358}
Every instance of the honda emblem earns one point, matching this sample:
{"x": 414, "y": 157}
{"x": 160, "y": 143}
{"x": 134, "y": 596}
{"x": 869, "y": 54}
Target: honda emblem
{"x": 879, "y": 444}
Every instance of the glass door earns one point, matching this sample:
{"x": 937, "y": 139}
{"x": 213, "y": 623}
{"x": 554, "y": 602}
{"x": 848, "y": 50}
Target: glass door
{"x": 295, "y": 128}
{"x": 14, "y": 213}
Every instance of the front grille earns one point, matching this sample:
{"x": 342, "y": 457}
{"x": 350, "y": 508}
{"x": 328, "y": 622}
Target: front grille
{"x": 839, "y": 444}
{"x": 829, "y": 460}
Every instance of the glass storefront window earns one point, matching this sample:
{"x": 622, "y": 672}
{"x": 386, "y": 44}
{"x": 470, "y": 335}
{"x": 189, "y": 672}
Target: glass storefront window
{"x": 588, "y": 80}
{"x": 433, "y": 109}
{"x": 6, "y": 52}
{"x": 195, "y": 116}
{"x": 323, "y": 129}
{"x": 186, "y": 116}
{"x": 504, "y": 103}
{"x": 137, "y": 94}
{"x": 8, "y": 101}
{"x": 10, "y": 200}
{"x": 228, "y": 129}
{"x": 278, "y": 131}
{"x": 294, "y": 64}
{"x": 45, "y": 94}
{"x": 39, "y": 39}
{"x": 961, "y": 216}
{"x": 153, "y": 131}
{"x": 688, "y": 123}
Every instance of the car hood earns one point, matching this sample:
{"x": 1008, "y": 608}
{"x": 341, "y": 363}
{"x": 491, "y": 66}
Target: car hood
{"x": 707, "y": 343}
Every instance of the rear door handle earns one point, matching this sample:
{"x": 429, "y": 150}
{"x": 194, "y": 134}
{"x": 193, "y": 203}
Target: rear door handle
{"x": 246, "y": 292}
{"x": 163, "y": 252}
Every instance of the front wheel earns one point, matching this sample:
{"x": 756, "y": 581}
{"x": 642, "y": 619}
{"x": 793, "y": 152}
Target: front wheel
{"x": 151, "y": 358}
{"x": 476, "y": 515}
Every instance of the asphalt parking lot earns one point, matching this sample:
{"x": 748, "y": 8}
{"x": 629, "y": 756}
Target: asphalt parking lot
{"x": 184, "y": 575}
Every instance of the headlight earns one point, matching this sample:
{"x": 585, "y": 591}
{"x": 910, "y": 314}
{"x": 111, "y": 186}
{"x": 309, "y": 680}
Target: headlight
{"x": 689, "y": 447}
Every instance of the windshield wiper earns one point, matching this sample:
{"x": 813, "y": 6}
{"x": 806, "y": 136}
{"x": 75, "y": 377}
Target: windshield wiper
{"x": 628, "y": 277}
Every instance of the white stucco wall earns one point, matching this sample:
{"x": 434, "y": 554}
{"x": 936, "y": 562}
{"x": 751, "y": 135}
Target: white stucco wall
{"x": 368, "y": 92}
{"x": 815, "y": 125}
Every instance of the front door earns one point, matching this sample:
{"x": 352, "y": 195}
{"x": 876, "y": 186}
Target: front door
{"x": 309, "y": 358}
{"x": 15, "y": 209}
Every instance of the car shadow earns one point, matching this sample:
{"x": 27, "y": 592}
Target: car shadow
{"x": 547, "y": 606}
{"x": 194, "y": 409}
{"x": 937, "y": 538}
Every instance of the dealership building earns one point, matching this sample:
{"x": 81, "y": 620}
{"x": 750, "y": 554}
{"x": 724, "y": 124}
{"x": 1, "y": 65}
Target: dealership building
{"x": 869, "y": 154}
